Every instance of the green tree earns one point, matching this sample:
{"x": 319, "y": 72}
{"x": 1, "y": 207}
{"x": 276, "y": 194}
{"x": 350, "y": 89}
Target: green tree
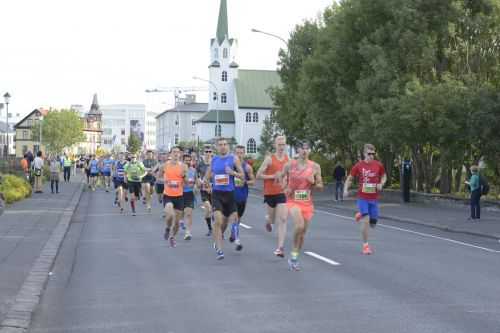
{"x": 269, "y": 132}
{"x": 60, "y": 129}
{"x": 134, "y": 144}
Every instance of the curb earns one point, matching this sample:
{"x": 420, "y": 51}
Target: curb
{"x": 18, "y": 318}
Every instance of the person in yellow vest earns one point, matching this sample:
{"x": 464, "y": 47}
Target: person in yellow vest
{"x": 67, "y": 167}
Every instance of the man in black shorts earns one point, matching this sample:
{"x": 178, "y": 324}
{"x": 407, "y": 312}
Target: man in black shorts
{"x": 206, "y": 187}
{"x": 148, "y": 181}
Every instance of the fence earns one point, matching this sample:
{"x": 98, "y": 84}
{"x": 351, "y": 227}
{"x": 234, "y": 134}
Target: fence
{"x": 10, "y": 165}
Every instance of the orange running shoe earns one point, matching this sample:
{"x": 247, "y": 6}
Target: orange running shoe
{"x": 366, "y": 249}
{"x": 358, "y": 217}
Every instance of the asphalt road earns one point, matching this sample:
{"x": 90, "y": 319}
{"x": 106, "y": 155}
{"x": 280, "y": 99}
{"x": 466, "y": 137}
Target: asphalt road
{"x": 115, "y": 273}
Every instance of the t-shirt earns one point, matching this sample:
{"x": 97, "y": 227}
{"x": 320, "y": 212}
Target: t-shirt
{"x": 134, "y": 171}
{"x": 369, "y": 176}
{"x": 38, "y": 163}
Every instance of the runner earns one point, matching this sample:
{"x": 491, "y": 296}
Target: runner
{"x": 94, "y": 171}
{"x": 189, "y": 188}
{"x": 222, "y": 172}
{"x": 175, "y": 175}
{"x": 86, "y": 168}
{"x": 302, "y": 176}
{"x": 148, "y": 181}
{"x": 270, "y": 171}
{"x": 107, "y": 165}
{"x": 158, "y": 173}
{"x": 100, "y": 179}
{"x": 134, "y": 171}
{"x": 371, "y": 178}
{"x": 241, "y": 196}
{"x": 119, "y": 181}
{"x": 206, "y": 187}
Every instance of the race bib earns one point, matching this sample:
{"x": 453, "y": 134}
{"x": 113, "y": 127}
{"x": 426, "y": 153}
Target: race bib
{"x": 369, "y": 188}
{"x": 191, "y": 181}
{"x": 239, "y": 182}
{"x": 173, "y": 184}
{"x": 221, "y": 180}
{"x": 302, "y": 195}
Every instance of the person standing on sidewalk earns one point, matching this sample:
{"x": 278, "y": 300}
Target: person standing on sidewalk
{"x": 371, "y": 178}
{"x": 339, "y": 177}
{"x": 55, "y": 170}
{"x": 67, "y": 167}
{"x": 475, "y": 193}
{"x": 38, "y": 172}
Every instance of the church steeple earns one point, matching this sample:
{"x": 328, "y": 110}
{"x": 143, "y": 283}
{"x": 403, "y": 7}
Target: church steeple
{"x": 94, "y": 108}
{"x": 222, "y": 25}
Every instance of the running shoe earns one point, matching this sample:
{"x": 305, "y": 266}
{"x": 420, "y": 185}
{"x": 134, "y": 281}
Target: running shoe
{"x": 220, "y": 255}
{"x": 187, "y": 237}
{"x": 149, "y": 209}
{"x": 121, "y": 210}
{"x": 269, "y": 227}
{"x": 115, "y": 203}
{"x": 239, "y": 246}
{"x": 133, "y": 212}
{"x": 144, "y": 201}
{"x": 173, "y": 243}
{"x": 366, "y": 249}
{"x": 167, "y": 233}
{"x": 182, "y": 224}
{"x": 358, "y": 217}
{"x": 279, "y": 252}
{"x": 293, "y": 264}
{"x": 232, "y": 238}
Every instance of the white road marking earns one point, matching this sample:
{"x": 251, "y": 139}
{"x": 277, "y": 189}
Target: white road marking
{"x": 317, "y": 256}
{"x": 245, "y": 226}
{"x": 417, "y": 233}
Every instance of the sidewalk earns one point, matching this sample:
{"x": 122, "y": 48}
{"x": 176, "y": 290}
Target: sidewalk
{"x": 25, "y": 228}
{"x": 451, "y": 218}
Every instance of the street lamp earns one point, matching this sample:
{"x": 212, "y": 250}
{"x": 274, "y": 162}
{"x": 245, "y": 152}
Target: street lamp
{"x": 6, "y": 97}
{"x": 272, "y": 35}
{"x": 216, "y": 99}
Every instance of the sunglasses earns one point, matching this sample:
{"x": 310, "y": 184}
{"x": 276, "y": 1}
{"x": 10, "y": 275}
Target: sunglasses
{"x": 371, "y": 154}
{"x": 208, "y": 151}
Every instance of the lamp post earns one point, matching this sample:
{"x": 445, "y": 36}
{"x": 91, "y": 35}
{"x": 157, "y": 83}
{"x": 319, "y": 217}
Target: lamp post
{"x": 216, "y": 99}
{"x": 272, "y": 35}
{"x": 6, "y": 97}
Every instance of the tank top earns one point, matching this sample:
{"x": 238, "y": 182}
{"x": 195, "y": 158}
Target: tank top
{"x": 220, "y": 179}
{"x": 174, "y": 180}
{"x": 120, "y": 170}
{"x": 188, "y": 187}
{"x": 241, "y": 187}
{"x": 106, "y": 165}
{"x": 94, "y": 167}
{"x": 270, "y": 186}
{"x": 298, "y": 183}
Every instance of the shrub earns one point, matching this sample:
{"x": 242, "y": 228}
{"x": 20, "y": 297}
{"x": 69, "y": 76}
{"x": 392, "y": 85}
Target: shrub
{"x": 14, "y": 188}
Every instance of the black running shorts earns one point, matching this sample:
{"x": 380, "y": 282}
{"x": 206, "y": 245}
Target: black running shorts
{"x": 178, "y": 202}
{"x": 205, "y": 196}
{"x": 160, "y": 188}
{"x": 188, "y": 199}
{"x": 135, "y": 188}
{"x": 224, "y": 202}
{"x": 274, "y": 200}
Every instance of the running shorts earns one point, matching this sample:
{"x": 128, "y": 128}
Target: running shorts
{"x": 240, "y": 208}
{"x": 274, "y": 200}
{"x": 368, "y": 207}
{"x": 149, "y": 179}
{"x": 119, "y": 182}
{"x": 188, "y": 199}
{"x": 93, "y": 175}
{"x": 306, "y": 209}
{"x": 223, "y": 201}
{"x": 177, "y": 202}
{"x": 206, "y": 196}
{"x": 135, "y": 188}
{"x": 160, "y": 188}
{"x": 107, "y": 173}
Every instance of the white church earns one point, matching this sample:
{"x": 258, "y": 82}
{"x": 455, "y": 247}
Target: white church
{"x": 238, "y": 98}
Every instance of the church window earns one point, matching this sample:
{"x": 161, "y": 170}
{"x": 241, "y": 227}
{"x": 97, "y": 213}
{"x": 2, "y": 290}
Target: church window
{"x": 251, "y": 146}
{"x": 218, "y": 130}
{"x": 255, "y": 117}
{"x": 248, "y": 117}
{"x": 215, "y": 96}
{"x": 224, "y": 76}
{"x": 223, "y": 98}
{"x": 225, "y": 53}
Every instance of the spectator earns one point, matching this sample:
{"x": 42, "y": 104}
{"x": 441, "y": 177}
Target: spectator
{"x": 29, "y": 156}
{"x": 339, "y": 176}
{"x": 38, "y": 172}
{"x": 475, "y": 194}
{"x": 67, "y": 167}
{"x": 25, "y": 165}
{"x": 55, "y": 170}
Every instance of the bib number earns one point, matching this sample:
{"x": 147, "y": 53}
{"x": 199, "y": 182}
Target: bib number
{"x": 173, "y": 184}
{"x": 369, "y": 188}
{"x": 191, "y": 181}
{"x": 221, "y": 180}
{"x": 238, "y": 182}
{"x": 302, "y": 195}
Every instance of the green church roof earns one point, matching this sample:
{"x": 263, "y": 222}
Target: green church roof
{"x": 225, "y": 116}
{"x": 252, "y": 88}
{"x": 222, "y": 24}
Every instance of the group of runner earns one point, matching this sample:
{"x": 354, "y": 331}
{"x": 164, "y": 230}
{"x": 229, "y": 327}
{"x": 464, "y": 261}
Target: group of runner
{"x": 223, "y": 181}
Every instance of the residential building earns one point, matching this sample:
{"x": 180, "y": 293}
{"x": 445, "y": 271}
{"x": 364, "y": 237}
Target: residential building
{"x": 120, "y": 120}
{"x": 178, "y": 124}
{"x": 24, "y": 138}
{"x": 238, "y": 99}
{"x": 7, "y": 136}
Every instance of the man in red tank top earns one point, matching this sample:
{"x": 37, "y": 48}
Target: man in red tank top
{"x": 302, "y": 176}
{"x": 271, "y": 172}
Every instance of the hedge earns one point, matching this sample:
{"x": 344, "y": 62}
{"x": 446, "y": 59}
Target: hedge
{"x": 14, "y": 188}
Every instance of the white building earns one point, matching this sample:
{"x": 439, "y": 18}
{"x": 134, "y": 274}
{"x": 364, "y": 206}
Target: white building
{"x": 119, "y": 121}
{"x": 7, "y": 136}
{"x": 238, "y": 99}
{"x": 178, "y": 124}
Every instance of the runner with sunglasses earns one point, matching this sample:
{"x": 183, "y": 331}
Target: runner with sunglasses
{"x": 206, "y": 187}
{"x": 371, "y": 178}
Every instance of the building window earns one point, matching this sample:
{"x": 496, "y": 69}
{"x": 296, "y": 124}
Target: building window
{"x": 224, "y": 76}
{"x": 248, "y": 117}
{"x": 251, "y": 146}
{"x": 225, "y": 53}
{"x": 25, "y": 135}
{"x": 215, "y": 96}
{"x": 216, "y": 53}
{"x": 255, "y": 117}
{"x": 176, "y": 139}
{"x": 218, "y": 130}
{"x": 30, "y": 122}
{"x": 223, "y": 98}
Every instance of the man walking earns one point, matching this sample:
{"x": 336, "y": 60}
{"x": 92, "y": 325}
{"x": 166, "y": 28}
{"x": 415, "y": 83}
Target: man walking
{"x": 67, "y": 167}
{"x": 38, "y": 171}
{"x": 475, "y": 193}
{"x": 339, "y": 177}
{"x": 371, "y": 178}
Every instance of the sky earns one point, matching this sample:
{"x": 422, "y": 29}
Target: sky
{"x": 56, "y": 53}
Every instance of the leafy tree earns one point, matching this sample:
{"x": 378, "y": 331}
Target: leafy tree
{"x": 269, "y": 132}
{"x": 134, "y": 144}
{"x": 60, "y": 129}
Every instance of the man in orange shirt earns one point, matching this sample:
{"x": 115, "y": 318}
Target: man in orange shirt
{"x": 175, "y": 173}
{"x": 271, "y": 172}
{"x": 25, "y": 167}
